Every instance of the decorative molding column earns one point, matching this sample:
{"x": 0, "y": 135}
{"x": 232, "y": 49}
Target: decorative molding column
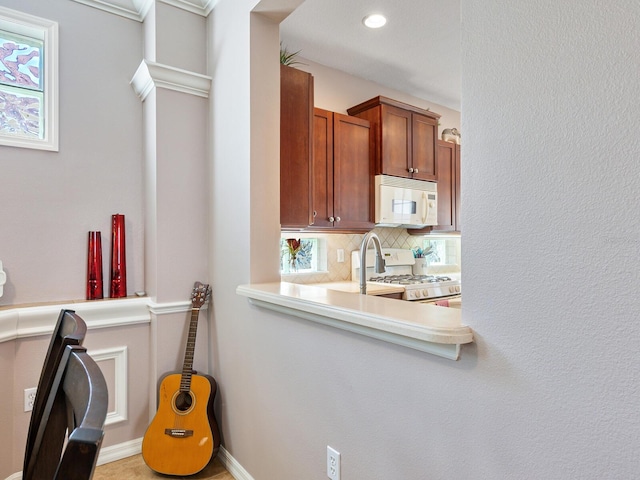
{"x": 152, "y": 75}
{"x": 175, "y": 102}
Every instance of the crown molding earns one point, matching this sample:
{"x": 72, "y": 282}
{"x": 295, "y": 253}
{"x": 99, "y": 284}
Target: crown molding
{"x": 200, "y": 7}
{"x": 131, "y": 9}
{"x": 138, "y": 9}
{"x": 151, "y": 74}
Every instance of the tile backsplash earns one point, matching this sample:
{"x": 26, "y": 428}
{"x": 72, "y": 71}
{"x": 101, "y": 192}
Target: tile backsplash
{"x": 389, "y": 237}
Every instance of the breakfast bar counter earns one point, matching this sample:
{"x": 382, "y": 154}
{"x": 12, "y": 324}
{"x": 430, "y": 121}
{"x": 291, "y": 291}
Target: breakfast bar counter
{"x": 428, "y": 328}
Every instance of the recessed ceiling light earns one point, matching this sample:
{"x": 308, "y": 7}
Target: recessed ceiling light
{"x": 375, "y": 20}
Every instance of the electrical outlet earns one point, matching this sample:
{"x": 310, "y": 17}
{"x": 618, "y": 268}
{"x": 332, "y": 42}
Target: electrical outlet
{"x": 340, "y": 255}
{"x": 29, "y": 398}
{"x": 333, "y": 463}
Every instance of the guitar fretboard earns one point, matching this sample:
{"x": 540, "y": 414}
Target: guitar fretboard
{"x": 187, "y": 367}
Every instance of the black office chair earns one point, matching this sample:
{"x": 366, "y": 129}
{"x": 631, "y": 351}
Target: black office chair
{"x": 70, "y": 329}
{"x": 73, "y": 401}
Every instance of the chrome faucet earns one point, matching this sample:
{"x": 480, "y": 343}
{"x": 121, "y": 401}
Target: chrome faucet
{"x": 379, "y": 267}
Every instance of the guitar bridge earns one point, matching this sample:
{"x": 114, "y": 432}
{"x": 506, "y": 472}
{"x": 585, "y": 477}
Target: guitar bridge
{"x": 178, "y": 432}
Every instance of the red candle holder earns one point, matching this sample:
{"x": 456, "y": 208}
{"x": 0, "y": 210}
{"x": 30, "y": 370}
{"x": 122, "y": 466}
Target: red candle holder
{"x": 118, "y": 258}
{"x": 94, "y": 267}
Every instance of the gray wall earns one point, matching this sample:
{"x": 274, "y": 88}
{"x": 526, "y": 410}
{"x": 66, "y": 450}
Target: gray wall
{"x": 50, "y": 200}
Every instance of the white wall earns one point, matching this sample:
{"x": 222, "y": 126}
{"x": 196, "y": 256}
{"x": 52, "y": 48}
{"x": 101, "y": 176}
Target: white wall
{"x": 50, "y": 200}
{"x": 549, "y": 388}
{"x": 550, "y": 200}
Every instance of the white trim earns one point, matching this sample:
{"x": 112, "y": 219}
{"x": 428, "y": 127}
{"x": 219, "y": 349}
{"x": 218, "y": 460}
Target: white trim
{"x": 21, "y": 322}
{"x": 199, "y": 7}
{"x": 31, "y": 321}
{"x": 138, "y": 9}
{"x": 47, "y": 31}
{"x": 133, "y": 9}
{"x": 169, "y": 308}
{"x": 232, "y": 465}
{"x": 119, "y": 451}
{"x": 119, "y": 393}
{"x": 150, "y": 75}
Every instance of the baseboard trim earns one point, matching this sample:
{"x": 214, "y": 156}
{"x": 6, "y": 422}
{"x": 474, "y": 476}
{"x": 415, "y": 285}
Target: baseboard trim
{"x": 134, "y": 447}
{"x": 113, "y": 453}
{"x": 233, "y": 466}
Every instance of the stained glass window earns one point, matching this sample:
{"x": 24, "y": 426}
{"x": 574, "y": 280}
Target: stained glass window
{"x": 21, "y": 86}
{"x": 20, "y": 61}
{"x": 298, "y": 255}
{"x": 28, "y": 81}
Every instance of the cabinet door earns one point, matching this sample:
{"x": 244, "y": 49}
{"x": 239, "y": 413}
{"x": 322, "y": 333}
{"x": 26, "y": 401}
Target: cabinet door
{"x": 446, "y": 187}
{"x": 322, "y": 168}
{"x": 352, "y": 173}
{"x": 423, "y": 147}
{"x": 396, "y": 141}
{"x": 296, "y": 120}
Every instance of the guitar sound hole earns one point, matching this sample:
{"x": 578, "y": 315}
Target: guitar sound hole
{"x": 184, "y": 401}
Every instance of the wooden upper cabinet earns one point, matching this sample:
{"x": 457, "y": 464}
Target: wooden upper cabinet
{"x": 403, "y": 137}
{"x": 446, "y": 187}
{"x": 424, "y": 136}
{"x": 352, "y": 173}
{"x": 322, "y": 168}
{"x": 343, "y": 176}
{"x": 448, "y": 190}
{"x": 296, "y": 130}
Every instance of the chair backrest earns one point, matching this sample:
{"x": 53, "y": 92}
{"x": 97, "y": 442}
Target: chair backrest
{"x": 70, "y": 329}
{"x": 77, "y": 405}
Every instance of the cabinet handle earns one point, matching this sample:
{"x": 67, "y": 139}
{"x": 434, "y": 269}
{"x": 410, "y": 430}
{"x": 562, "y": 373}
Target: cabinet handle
{"x": 337, "y": 219}
{"x": 410, "y": 170}
{"x": 314, "y": 214}
{"x": 331, "y": 219}
{"x": 415, "y": 170}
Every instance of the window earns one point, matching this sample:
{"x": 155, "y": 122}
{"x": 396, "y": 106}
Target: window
{"x": 28, "y": 81}
{"x": 442, "y": 251}
{"x": 299, "y": 255}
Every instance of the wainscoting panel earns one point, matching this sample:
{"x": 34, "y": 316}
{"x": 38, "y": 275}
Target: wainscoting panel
{"x": 113, "y": 363}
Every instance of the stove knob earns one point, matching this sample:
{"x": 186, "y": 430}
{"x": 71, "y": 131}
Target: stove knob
{"x": 451, "y": 290}
{"x": 424, "y": 294}
{"x": 458, "y": 288}
{"x": 410, "y": 294}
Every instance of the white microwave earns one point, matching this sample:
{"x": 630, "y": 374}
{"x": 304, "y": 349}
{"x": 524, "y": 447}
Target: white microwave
{"x": 404, "y": 202}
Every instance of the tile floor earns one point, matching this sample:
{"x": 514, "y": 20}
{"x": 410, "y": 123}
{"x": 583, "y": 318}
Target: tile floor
{"x": 134, "y": 468}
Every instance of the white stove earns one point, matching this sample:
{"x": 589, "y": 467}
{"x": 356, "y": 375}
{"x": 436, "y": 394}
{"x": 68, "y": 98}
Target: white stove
{"x": 400, "y": 266}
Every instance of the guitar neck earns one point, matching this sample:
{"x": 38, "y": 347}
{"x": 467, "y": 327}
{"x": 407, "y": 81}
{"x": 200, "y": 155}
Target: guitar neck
{"x": 187, "y": 367}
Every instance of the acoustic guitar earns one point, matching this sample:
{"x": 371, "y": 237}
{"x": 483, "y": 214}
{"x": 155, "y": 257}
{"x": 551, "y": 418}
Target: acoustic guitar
{"x": 183, "y": 436}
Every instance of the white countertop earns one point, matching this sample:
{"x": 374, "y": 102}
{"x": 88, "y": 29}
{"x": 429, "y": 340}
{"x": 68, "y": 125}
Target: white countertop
{"x": 424, "y": 327}
{"x": 373, "y": 288}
